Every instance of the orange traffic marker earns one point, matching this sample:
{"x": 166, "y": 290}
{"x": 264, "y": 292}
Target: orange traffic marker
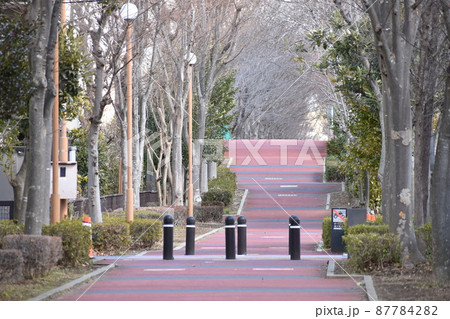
{"x": 87, "y": 223}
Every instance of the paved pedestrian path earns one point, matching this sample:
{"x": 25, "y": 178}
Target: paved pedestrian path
{"x": 284, "y": 177}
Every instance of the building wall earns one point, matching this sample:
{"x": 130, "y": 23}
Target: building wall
{"x": 6, "y": 190}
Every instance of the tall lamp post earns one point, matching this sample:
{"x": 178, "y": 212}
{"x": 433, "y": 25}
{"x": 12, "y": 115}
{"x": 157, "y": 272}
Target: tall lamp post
{"x": 129, "y": 12}
{"x": 192, "y": 59}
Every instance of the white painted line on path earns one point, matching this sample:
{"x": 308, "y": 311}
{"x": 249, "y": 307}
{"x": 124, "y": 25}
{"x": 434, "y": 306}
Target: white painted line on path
{"x": 230, "y": 161}
{"x": 273, "y": 269}
{"x": 273, "y": 237}
{"x": 328, "y": 201}
{"x": 241, "y": 205}
{"x": 166, "y": 269}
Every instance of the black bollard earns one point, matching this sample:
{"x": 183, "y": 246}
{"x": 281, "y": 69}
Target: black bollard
{"x": 242, "y": 235}
{"x": 294, "y": 237}
{"x": 230, "y": 241}
{"x": 190, "y": 236}
{"x": 168, "y": 237}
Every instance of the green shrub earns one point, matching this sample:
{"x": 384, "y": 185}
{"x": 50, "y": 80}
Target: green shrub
{"x": 336, "y": 146}
{"x": 367, "y": 228}
{"x": 218, "y": 195}
{"x": 424, "y": 233}
{"x": 370, "y": 251}
{"x": 326, "y": 232}
{"x": 116, "y": 235}
{"x": 225, "y": 181}
{"x": 10, "y": 227}
{"x": 111, "y": 236}
{"x": 208, "y": 213}
{"x": 145, "y": 232}
{"x": 148, "y": 214}
{"x": 76, "y": 241}
{"x": 378, "y": 220}
{"x": 222, "y": 188}
{"x": 333, "y": 173}
{"x": 40, "y": 253}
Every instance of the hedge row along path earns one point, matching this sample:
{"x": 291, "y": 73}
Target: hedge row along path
{"x": 283, "y": 177}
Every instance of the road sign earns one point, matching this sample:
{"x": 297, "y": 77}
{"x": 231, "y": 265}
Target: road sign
{"x": 338, "y": 216}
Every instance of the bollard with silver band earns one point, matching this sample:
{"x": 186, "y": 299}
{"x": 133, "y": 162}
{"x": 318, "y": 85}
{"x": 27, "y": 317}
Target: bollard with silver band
{"x": 230, "y": 241}
{"x": 294, "y": 237}
{"x": 168, "y": 237}
{"x": 190, "y": 236}
{"x": 242, "y": 235}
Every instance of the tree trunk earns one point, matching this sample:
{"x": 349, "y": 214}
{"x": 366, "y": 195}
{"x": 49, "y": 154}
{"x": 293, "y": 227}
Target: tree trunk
{"x": 440, "y": 183}
{"x": 20, "y": 195}
{"x": 95, "y": 121}
{"x": 44, "y": 15}
{"x": 94, "y": 174}
{"x": 425, "y": 92}
{"x": 395, "y": 26}
{"x": 198, "y": 153}
{"x": 177, "y": 160}
{"x": 440, "y": 195}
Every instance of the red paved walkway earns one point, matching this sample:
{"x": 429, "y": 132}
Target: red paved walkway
{"x": 283, "y": 177}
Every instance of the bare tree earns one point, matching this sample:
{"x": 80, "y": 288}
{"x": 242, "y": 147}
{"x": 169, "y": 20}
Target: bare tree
{"x": 214, "y": 46}
{"x": 95, "y": 20}
{"x": 177, "y": 34}
{"x": 279, "y": 97}
{"x": 159, "y": 151}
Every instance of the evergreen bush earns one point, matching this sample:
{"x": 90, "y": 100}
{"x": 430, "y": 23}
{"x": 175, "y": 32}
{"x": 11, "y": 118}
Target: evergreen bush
{"x": 326, "y": 232}
{"x": 111, "y": 236}
{"x": 76, "y": 241}
{"x": 145, "y": 232}
{"x": 333, "y": 173}
{"x": 225, "y": 181}
{"x": 218, "y": 195}
{"x": 10, "y": 227}
{"x": 367, "y": 228}
{"x": 336, "y": 146}
{"x": 424, "y": 233}
{"x": 371, "y": 251}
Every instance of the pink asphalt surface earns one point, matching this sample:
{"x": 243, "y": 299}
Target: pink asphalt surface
{"x": 283, "y": 177}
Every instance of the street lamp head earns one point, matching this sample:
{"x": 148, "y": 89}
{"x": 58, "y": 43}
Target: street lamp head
{"x": 129, "y": 11}
{"x": 191, "y": 58}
